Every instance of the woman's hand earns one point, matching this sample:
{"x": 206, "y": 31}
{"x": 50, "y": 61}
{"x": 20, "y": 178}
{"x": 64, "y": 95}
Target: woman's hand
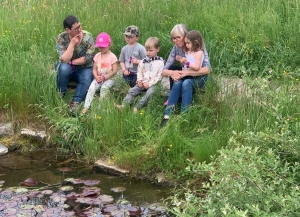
{"x": 183, "y": 73}
{"x": 175, "y": 75}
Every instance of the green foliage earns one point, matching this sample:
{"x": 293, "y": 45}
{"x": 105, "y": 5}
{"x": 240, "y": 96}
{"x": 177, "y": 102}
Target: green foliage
{"x": 243, "y": 181}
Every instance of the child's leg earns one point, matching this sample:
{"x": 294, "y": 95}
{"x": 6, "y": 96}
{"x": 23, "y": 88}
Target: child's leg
{"x": 90, "y": 94}
{"x": 105, "y": 88}
{"x": 132, "y": 93}
{"x": 145, "y": 99}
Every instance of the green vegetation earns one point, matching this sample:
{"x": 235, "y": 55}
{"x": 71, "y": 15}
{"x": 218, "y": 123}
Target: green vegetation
{"x": 252, "y": 133}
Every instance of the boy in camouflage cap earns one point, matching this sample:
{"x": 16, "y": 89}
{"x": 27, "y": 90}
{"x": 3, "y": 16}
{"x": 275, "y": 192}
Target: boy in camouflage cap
{"x": 131, "y": 55}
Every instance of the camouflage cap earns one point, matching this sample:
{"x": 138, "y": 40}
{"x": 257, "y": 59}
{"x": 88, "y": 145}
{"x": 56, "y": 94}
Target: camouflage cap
{"x": 132, "y": 31}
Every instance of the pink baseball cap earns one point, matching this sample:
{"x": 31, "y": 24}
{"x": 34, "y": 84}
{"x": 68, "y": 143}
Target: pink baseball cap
{"x": 103, "y": 40}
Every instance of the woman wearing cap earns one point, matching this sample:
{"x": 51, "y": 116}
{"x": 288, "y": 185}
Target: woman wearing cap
{"x": 105, "y": 67}
{"x": 182, "y": 82}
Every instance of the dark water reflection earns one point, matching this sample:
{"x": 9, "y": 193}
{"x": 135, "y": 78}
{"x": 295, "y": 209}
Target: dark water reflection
{"x": 42, "y": 165}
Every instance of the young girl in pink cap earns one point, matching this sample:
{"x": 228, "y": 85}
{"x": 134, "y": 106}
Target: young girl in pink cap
{"x": 105, "y": 67}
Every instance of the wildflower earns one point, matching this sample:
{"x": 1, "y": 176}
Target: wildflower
{"x": 282, "y": 129}
{"x": 113, "y": 157}
{"x": 296, "y": 119}
{"x": 171, "y": 145}
{"x": 284, "y": 72}
{"x": 99, "y": 117}
{"x": 168, "y": 149}
{"x": 33, "y": 8}
{"x": 108, "y": 161}
{"x": 297, "y": 79}
{"x": 288, "y": 119}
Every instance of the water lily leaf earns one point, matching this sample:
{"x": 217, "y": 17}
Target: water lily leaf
{"x": 33, "y": 194}
{"x": 10, "y": 211}
{"x": 2, "y": 182}
{"x": 64, "y": 169}
{"x": 54, "y": 210}
{"x": 107, "y": 209}
{"x": 106, "y": 198}
{"x": 117, "y": 213}
{"x": 11, "y": 204}
{"x": 74, "y": 181}
{"x": 66, "y": 188}
{"x": 47, "y": 192}
{"x": 6, "y": 192}
{"x": 57, "y": 198}
{"x": 29, "y": 182}
{"x": 18, "y": 190}
{"x": 118, "y": 189}
{"x": 134, "y": 211}
{"x": 90, "y": 193}
{"x": 91, "y": 182}
{"x": 26, "y": 206}
{"x": 72, "y": 196}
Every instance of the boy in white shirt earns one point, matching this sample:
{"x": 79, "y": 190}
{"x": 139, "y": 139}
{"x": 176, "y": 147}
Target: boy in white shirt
{"x": 149, "y": 73}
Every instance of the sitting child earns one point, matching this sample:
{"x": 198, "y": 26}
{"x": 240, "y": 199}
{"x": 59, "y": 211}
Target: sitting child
{"x": 105, "y": 67}
{"x": 148, "y": 74}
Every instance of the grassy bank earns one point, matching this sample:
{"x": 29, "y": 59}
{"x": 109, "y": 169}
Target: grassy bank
{"x": 255, "y": 40}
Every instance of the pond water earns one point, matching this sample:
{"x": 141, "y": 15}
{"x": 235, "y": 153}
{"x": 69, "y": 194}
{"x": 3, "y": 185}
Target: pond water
{"x": 43, "y": 165}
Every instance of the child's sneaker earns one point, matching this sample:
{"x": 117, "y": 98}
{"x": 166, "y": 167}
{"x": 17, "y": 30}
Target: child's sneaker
{"x": 84, "y": 111}
{"x": 119, "y": 106}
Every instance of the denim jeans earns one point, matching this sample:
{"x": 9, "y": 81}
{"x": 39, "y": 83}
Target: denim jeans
{"x": 83, "y": 77}
{"x": 185, "y": 88}
{"x": 130, "y": 79}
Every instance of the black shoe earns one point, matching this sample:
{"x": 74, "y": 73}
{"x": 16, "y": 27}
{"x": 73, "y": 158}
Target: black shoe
{"x": 163, "y": 122}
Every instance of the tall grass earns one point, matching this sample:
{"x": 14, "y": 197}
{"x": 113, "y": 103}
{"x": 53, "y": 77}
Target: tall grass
{"x": 247, "y": 39}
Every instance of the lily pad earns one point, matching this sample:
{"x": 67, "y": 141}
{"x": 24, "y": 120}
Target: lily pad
{"x": 118, "y": 189}
{"x": 18, "y": 190}
{"x": 106, "y": 198}
{"x": 74, "y": 181}
{"x": 47, "y": 192}
{"x": 134, "y": 211}
{"x": 107, "y": 209}
{"x": 90, "y": 192}
{"x": 66, "y": 188}
{"x": 29, "y": 182}
{"x": 64, "y": 169}
{"x": 91, "y": 182}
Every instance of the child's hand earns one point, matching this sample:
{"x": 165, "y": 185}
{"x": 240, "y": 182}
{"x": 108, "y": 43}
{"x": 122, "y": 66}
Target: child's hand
{"x": 134, "y": 60}
{"x": 183, "y": 60}
{"x": 178, "y": 58}
{"x": 146, "y": 85}
{"x": 98, "y": 78}
{"x": 140, "y": 84}
{"x": 126, "y": 72}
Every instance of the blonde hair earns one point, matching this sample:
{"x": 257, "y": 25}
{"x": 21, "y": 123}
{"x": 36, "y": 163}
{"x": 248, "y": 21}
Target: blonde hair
{"x": 179, "y": 29}
{"x": 152, "y": 42}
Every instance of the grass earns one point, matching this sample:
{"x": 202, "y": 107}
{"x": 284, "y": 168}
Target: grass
{"x": 253, "y": 40}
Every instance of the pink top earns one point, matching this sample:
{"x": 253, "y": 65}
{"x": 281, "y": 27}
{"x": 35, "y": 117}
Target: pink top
{"x": 104, "y": 61}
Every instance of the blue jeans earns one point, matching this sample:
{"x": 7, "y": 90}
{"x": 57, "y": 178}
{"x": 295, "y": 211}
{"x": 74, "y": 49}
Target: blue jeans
{"x": 185, "y": 88}
{"x": 83, "y": 77}
{"x": 130, "y": 79}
